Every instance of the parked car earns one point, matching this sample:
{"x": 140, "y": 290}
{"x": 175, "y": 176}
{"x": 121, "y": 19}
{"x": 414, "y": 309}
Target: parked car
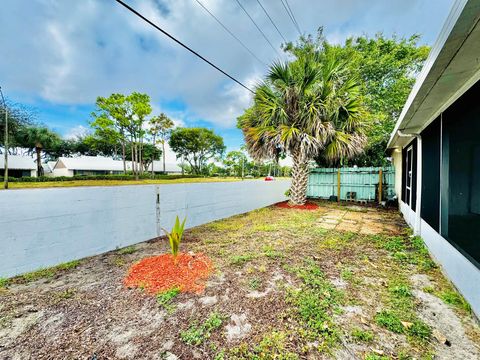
{"x": 269, "y": 178}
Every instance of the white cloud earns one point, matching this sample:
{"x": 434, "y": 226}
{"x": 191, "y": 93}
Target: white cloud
{"x": 77, "y": 132}
{"x": 70, "y": 52}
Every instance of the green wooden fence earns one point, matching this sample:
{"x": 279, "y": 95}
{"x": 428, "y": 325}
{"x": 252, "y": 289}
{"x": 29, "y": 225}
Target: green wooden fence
{"x": 360, "y": 183}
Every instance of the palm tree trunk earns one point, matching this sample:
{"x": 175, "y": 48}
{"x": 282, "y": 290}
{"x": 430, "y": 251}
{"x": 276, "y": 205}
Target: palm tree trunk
{"x": 39, "y": 161}
{"x": 298, "y": 190}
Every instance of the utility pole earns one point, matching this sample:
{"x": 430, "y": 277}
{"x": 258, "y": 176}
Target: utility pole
{"x": 5, "y": 174}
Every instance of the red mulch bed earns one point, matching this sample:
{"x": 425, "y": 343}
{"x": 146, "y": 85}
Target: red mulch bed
{"x": 160, "y": 273}
{"x": 307, "y": 206}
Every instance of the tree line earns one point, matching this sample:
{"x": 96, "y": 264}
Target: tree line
{"x": 335, "y": 104}
{"x": 122, "y": 127}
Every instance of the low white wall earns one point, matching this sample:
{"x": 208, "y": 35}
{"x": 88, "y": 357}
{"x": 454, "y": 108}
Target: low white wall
{"x": 463, "y": 274}
{"x": 44, "y": 227}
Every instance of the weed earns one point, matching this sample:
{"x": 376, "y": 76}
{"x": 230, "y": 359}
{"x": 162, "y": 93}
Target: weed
{"x": 254, "y": 283}
{"x": 313, "y": 304}
{"x": 164, "y": 299}
{"x": 373, "y": 356}
{"x": 270, "y": 252}
{"x": 401, "y": 291}
{"x": 240, "y": 259}
{"x": 390, "y": 321}
{"x": 394, "y": 244}
{"x": 346, "y": 274}
{"x": 429, "y": 289}
{"x": 66, "y": 294}
{"x": 273, "y": 346}
{"x": 127, "y": 250}
{"x": 197, "y": 334}
{"x": 47, "y": 273}
{"x": 4, "y": 283}
{"x": 419, "y": 330}
{"x": 118, "y": 261}
{"x": 362, "y": 335}
{"x": 453, "y": 298}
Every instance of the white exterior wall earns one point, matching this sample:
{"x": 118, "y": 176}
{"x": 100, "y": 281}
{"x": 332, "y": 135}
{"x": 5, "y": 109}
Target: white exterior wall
{"x": 397, "y": 163}
{"x": 62, "y": 172}
{"x": 44, "y": 227}
{"x": 464, "y": 275}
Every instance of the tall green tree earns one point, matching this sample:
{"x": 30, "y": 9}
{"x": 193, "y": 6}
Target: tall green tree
{"x": 110, "y": 121}
{"x": 235, "y": 163}
{"x": 305, "y": 108}
{"x": 139, "y": 108}
{"x": 119, "y": 122}
{"x": 196, "y": 146}
{"x": 387, "y": 68}
{"x": 160, "y": 128}
{"x": 38, "y": 139}
{"x": 19, "y": 118}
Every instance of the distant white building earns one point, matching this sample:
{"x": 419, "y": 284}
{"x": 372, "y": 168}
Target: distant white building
{"x": 18, "y": 166}
{"x": 170, "y": 168}
{"x": 89, "y": 165}
{"x": 97, "y": 165}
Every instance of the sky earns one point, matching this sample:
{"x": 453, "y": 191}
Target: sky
{"x": 57, "y": 56}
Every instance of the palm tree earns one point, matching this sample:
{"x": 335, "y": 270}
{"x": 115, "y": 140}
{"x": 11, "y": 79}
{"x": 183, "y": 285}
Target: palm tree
{"x": 305, "y": 108}
{"x": 38, "y": 139}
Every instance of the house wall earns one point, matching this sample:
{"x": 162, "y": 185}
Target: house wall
{"x": 62, "y": 172}
{"x": 397, "y": 163}
{"x": 44, "y": 227}
{"x": 464, "y": 275}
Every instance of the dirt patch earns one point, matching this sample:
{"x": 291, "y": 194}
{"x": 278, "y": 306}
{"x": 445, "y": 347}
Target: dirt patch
{"x": 255, "y": 305}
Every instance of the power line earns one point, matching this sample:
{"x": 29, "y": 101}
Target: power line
{"x": 271, "y": 20}
{"x": 231, "y": 33}
{"x": 293, "y": 16}
{"x": 129, "y": 8}
{"x": 258, "y": 28}
{"x": 295, "y": 24}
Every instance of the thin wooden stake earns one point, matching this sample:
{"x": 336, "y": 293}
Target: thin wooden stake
{"x": 380, "y": 183}
{"x": 338, "y": 185}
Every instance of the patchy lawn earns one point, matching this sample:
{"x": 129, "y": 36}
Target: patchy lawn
{"x": 342, "y": 282}
{"x": 74, "y": 183}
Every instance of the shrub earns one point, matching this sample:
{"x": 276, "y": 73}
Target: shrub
{"x": 175, "y": 236}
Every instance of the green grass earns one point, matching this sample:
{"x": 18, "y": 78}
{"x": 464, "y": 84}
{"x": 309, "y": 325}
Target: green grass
{"x": 254, "y": 283}
{"x": 313, "y": 305}
{"x": 389, "y": 320}
{"x": 199, "y": 333}
{"x": 362, "y": 335}
{"x": 66, "y": 294}
{"x": 273, "y": 346}
{"x": 74, "y": 183}
{"x": 453, "y": 298}
{"x": 241, "y": 259}
{"x": 45, "y": 273}
{"x": 164, "y": 299}
{"x": 127, "y": 250}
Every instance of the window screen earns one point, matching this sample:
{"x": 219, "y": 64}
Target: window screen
{"x": 460, "y": 220}
{"x": 409, "y": 174}
{"x": 431, "y": 175}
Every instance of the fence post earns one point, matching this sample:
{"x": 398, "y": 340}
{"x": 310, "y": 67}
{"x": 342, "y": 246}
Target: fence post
{"x": 338, "y": 185}
{"x": 380, "y": 183}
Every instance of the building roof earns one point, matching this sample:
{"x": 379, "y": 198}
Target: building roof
{"x": 93, "y": 163}
{"x": 452, "y": 67}
{"x": 18, "y": 162}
